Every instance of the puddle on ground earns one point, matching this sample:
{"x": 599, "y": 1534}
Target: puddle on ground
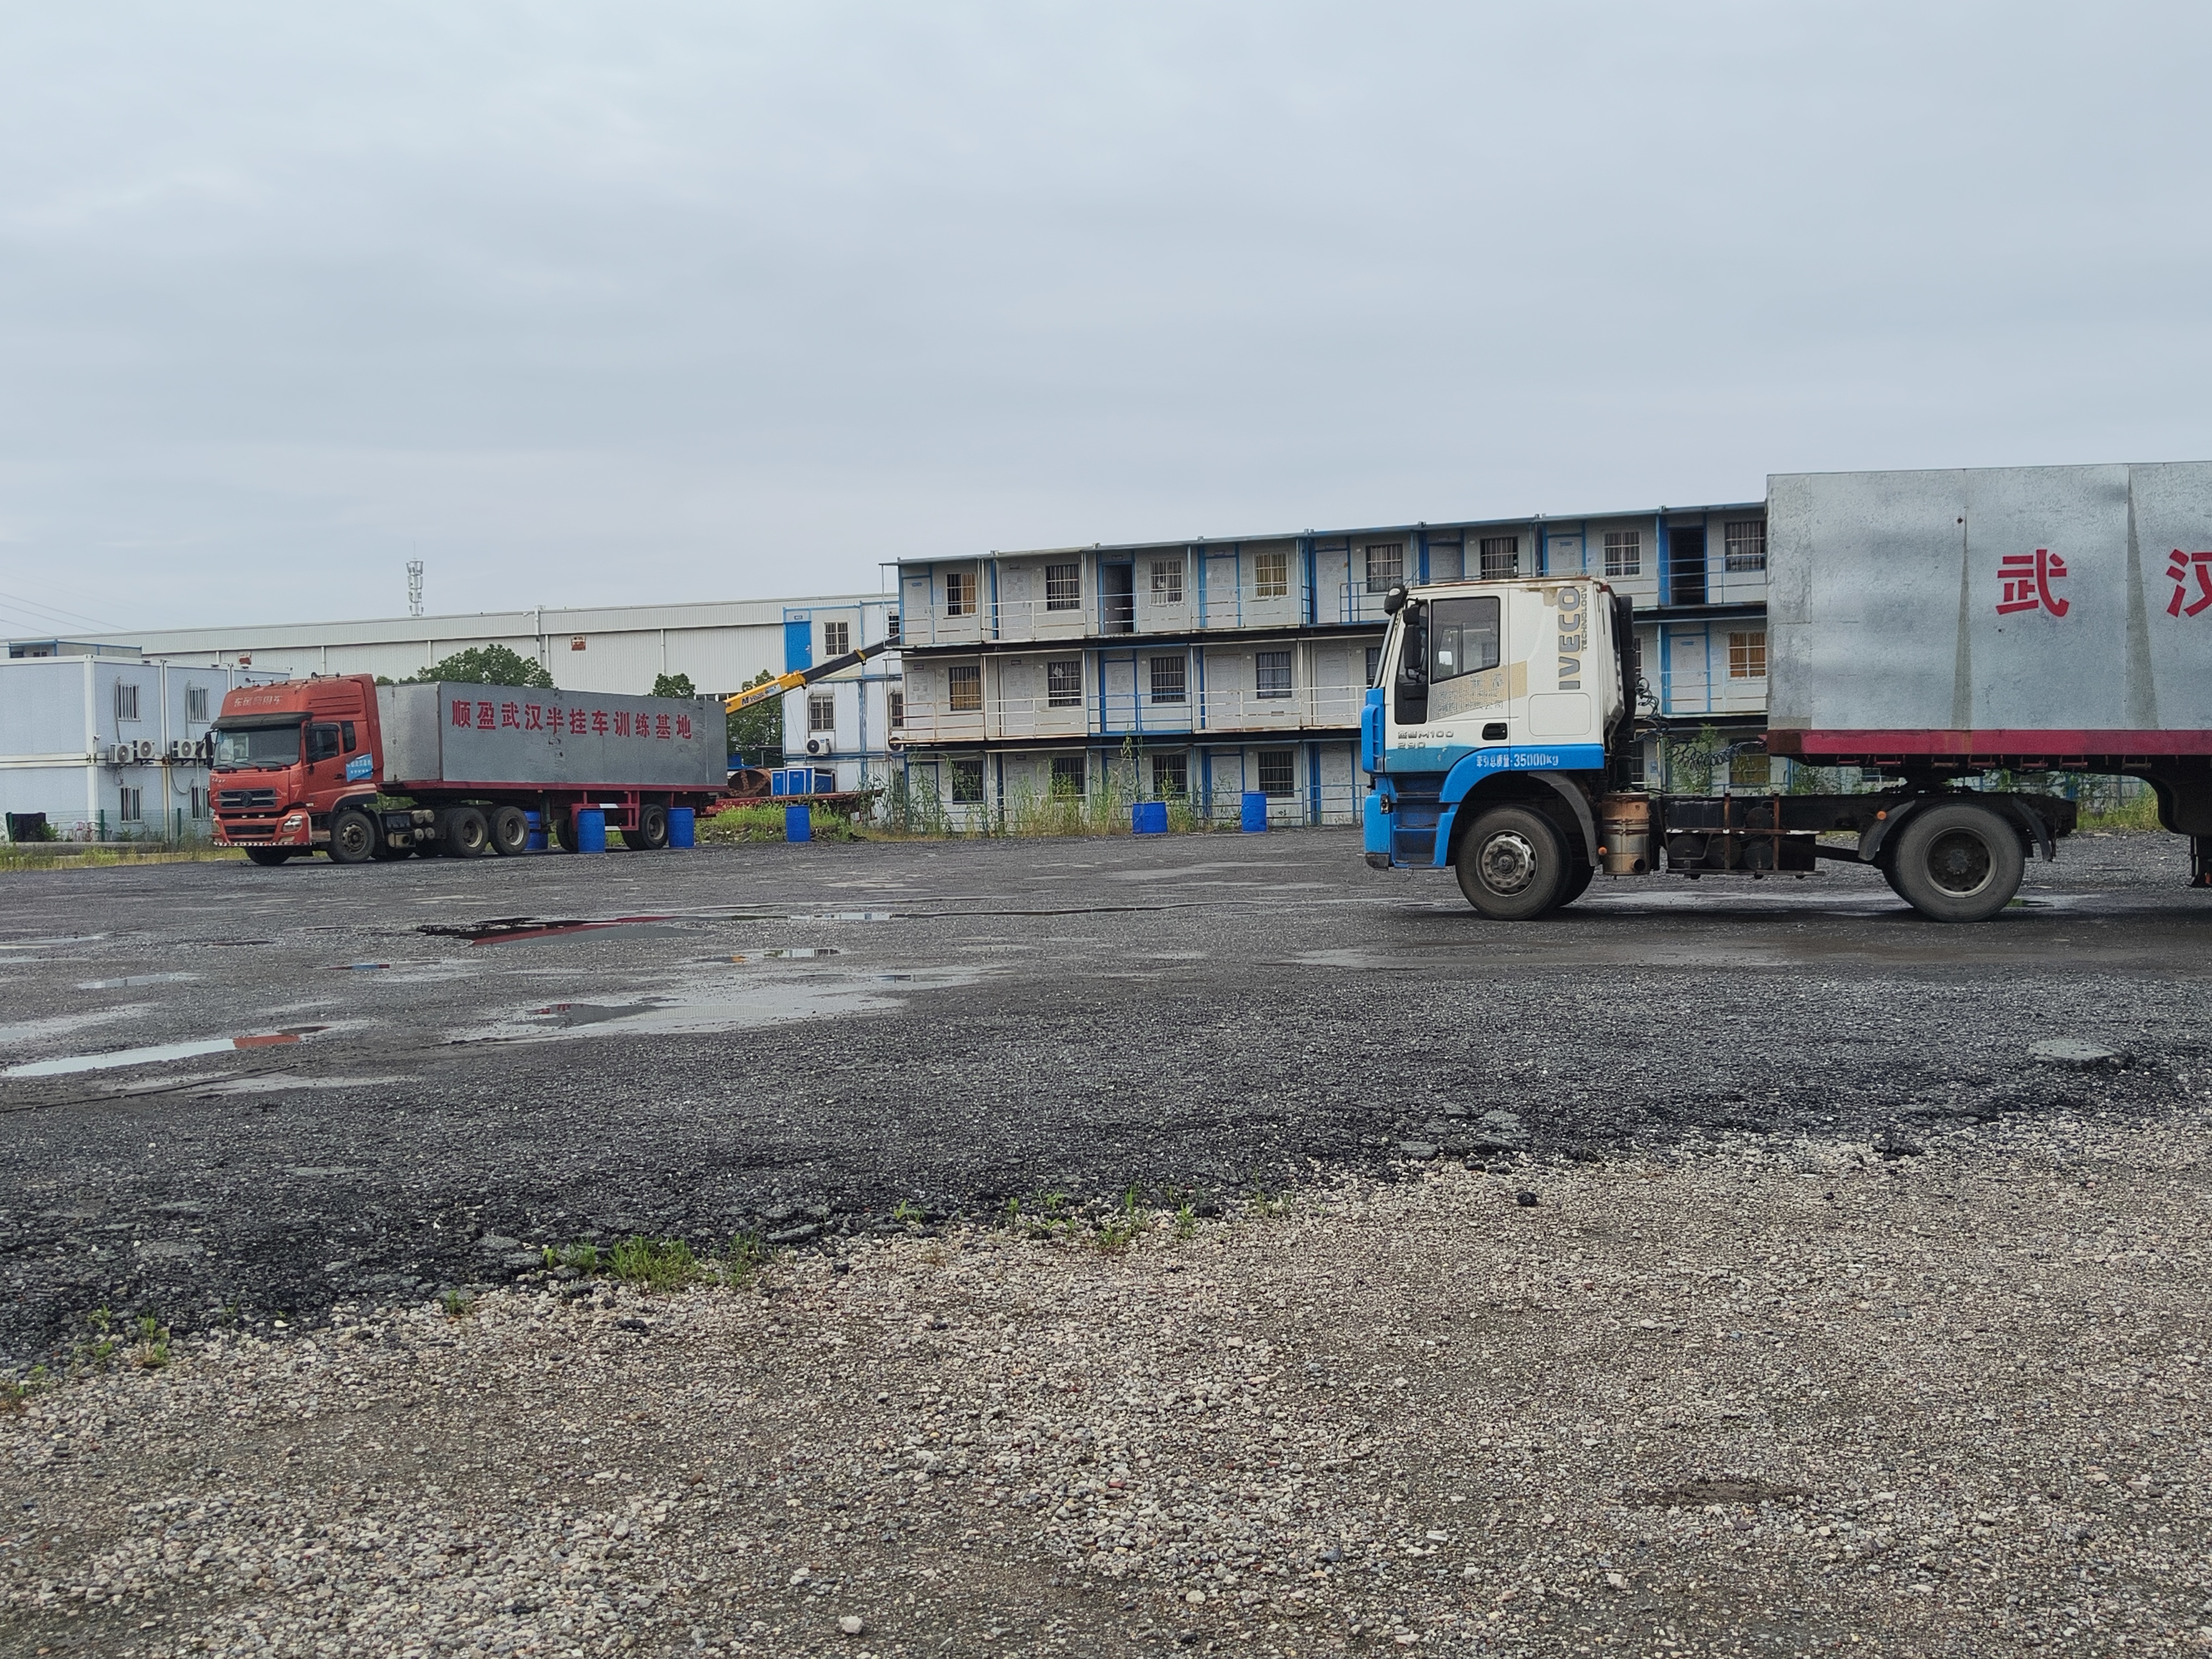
{"x": 715, "y": 1007}
{"x": 133, "y": 979}
{"x": 499, "y": 930}
{"x": 784, "y": 953}
{"x": 158, "y": 1053}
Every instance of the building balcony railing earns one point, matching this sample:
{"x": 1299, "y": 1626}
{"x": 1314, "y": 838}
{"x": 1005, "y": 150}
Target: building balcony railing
{"x": 1684, "y": 694}
{"x": 1114, "y": 716}
{"x": 1024, "y": 622}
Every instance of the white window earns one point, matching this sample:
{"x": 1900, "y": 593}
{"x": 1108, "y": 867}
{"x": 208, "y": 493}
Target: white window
{"x": 1063, "y": 682}
{"x": 891, "y": 628}
{"x": 1374, "y": 662}
{"x": 1070, "y": 777}
{"x": 1168, "y": 679}
{"x": 1171, "y": 777}
{"x": 134, "y": 809}
{"x": 1748, "y": 655}
{"x": 1271, "y": 672}
{"x": 1623, "y": 552}
{"x": 895, "y": 701}
{"x": 196, "y": 706}
{"x": 1167, "y": 582}
{"x": 821, "y": 712}
{"x": 1744, "y": 543}
{"x": 1271, "y": 575}
{"x": 1386, "y": 565}
{"x": 964, "y": 690}
{"x": 959, "y": 593}
{"x": 1279, "y": 772}
{"x": 1063, "y": 587}
{"x": 1501, "y": 556}
{"x": 127, "y": 701}
{"x": 836, "y": 638}
{"x": 968, "y": 779}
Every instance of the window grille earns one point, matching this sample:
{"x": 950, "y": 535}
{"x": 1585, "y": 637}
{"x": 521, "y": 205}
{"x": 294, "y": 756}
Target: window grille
{"x": 1167, "y": 582}
{"x": 1070, "y": 776}
{"x": 1748, "y": 655}
{"x": 1279, "y": 772}
{"x": 1271, "y": 575}
{"x": 133, "y": 806}
{"x": 1744, "y": 544}
{"x": 195, "y": 704}
{"x": 1063, "y": 682}
{"x": 968, "y": 780}
{"x": 1501, "y": 556}
{"x": 895, "y": 702}
{"x": 1171, "y": 777}
{"x": 963, "y": 688}
{"x": 1271, "y": 671}
{"x": 1168, "y": 679}
{"x": 1386, "y": 565}
{"x": 1623, "y": 552}
{"x": 1374, "y": 663}
{"x": 1063, "y": 587}
{"x": 127, "y": 701}
{"x": 959, "y": 593}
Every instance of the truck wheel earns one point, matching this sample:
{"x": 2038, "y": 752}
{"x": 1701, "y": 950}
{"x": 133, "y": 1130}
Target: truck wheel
{"x": 467, "y": 834}
{"x": 268, "y": 857}
{"x": 1576, "y": 884}
{"x": 1510, "y": 865}
{"x": 510, "y": 831}
{"x": 1958, "y": 862}
{"x": 652, "y": 832}
{"x": 354, "y": 838}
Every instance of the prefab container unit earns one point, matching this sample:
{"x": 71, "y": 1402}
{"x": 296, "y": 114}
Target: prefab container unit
{"x": 108, "y": 746}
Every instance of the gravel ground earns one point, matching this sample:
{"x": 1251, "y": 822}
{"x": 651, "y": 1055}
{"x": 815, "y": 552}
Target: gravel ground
{"x": 1785, "y": 1395}
{"x": 797, "y": 1040}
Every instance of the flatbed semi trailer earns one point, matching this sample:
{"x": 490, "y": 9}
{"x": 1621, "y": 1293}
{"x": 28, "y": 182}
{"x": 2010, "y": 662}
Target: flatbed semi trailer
{"x": 1930, "y": 628}
{"x": 342, "y": 765}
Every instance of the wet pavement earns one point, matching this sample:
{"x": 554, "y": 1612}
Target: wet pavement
{"x": 230, "y": 1094}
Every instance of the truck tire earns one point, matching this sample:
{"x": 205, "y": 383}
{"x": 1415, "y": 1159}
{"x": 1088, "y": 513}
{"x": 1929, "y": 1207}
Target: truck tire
{"x": 468, "y": 836}
{"x": 268, "y": 857}
{"x": 354, "y": 837}
{"x": 1958, "y": 861}
{"x": 510, "y": 831}
{"x": 1511, "y": 864}
{"x": 1576, "y": 884}
{"x": 652, "y": 832}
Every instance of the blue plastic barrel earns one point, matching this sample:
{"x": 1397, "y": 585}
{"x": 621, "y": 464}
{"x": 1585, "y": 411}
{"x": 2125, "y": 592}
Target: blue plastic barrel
{"x": 590, "y": 829}
{"x": 798, "y": 824}
{"x": 537, "y": 832}
{"x": 683, "y": 830}
{"x": 1149, "y": 817}
{"x": 1255, "y": 810}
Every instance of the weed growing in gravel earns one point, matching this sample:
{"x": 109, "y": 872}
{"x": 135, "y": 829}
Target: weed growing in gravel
{"x": 584, "y": 1258}
{"x": 1123, "y": 1228}
{"x": 456, "y": 1303}
{"x": 748, "y": 1252}
{"x": 905, "y": 1214}
{"x": 663, "y": 1264}
{"x": 151, "y": 1351}
{"x": 97, "y": 1351}
{"x": 1265, "y": 1203}
{"x": 1045, "y": 1216}
{"x": 1186, "y": 1220}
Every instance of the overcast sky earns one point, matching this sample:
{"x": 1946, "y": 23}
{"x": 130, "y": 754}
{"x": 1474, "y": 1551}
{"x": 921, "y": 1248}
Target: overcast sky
{"x": 651, "y": 302}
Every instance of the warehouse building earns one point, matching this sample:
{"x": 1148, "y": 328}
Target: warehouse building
{"x": 1198, "y": 670}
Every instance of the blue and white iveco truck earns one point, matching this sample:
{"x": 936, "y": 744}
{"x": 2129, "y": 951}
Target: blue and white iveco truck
{"x": 1937, "y": 631}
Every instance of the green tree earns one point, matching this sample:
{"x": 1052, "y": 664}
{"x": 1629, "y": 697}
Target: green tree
{"x": 757, "y": 733}
{"x": 674, "y": 685}
{"x": 488, "y": 665}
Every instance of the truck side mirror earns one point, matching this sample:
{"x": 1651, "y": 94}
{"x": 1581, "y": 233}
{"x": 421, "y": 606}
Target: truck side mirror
{"x": 1394, "y": 601}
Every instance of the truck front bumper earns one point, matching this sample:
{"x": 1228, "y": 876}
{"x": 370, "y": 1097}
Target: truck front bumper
{"x": 285, "y": 830}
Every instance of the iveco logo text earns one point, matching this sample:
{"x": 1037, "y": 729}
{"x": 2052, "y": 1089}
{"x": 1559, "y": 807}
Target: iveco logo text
{"x": 1570, "y": 639}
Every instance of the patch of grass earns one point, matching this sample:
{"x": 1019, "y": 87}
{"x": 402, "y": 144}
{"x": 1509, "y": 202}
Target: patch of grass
{"x": 584, "y": 1258}
{"x": 457, "y": 1303}
{"x": 1186, "y": 1220}
{"x": 1043, "y": 1215}
{"x": 97, "y": 1351}
{"x": 748, "y": 1252}
{"x": 905, "y": 1214}
{"x": 58, "y": 856}
{"x": 2137, "y": 815}
{"x": 150, "y": 1353}
{"x": 1265, "y": 1203}
{"x": 658, "y": 1264}
{"x": 1128, "y": 1223}
{"x": 765, "y": 822}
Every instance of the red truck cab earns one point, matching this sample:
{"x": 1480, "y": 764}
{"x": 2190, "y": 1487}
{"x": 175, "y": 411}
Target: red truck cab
{"x": 287, "y": 756}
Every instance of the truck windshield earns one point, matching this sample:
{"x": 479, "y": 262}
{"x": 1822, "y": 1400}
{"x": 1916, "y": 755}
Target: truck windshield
{"x": 237, "y": 748}
{"x": 1463, "y": 636}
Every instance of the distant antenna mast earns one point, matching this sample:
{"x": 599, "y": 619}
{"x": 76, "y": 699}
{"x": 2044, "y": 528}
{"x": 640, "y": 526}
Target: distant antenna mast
{"x": 414, "y": 587}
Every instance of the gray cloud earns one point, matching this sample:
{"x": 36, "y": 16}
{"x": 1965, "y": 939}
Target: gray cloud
{"x": 593, "y": 303}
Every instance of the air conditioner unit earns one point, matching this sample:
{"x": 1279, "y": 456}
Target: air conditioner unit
{"x": 894, "y": 743}
{"x": 180, "y": 749}
{"x": 821, "y": 746}
{"x": 144, "y": 749}
{"x": 120, "y": 754}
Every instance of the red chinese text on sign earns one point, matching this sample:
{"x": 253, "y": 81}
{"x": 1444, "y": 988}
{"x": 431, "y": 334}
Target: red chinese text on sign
{"x": 461, "y": 713}
{"x": 683, "y": 725}
{"x": 2027, "y": 579}
{"x": 2178, "y": 571}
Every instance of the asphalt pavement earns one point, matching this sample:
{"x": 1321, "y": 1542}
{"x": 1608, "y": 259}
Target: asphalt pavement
{"x": 238, "y": 1095}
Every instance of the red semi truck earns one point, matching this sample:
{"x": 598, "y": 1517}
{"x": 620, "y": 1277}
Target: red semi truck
{"x": 363, "y": 771}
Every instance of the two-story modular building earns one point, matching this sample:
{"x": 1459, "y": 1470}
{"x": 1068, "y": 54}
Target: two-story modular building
{"x": 1210, "y": 668}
